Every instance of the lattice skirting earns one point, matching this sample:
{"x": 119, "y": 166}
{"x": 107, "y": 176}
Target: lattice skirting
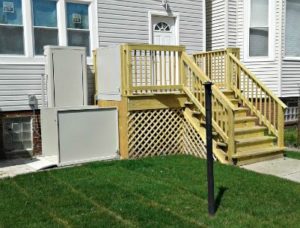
{"x": 162, "y": 132}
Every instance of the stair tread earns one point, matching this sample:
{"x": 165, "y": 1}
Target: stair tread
{"x": 255, "y": 139}
{"x": 250, "y": 129}
{"x": 256, "y": 152}
{"x": 245, "y": 118}
{"x": 242, "y": 109}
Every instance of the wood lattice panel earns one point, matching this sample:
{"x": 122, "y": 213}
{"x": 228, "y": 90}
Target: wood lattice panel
{"x": 162, "y": 132}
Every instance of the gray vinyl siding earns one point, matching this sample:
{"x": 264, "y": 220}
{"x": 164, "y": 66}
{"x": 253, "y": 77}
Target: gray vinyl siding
{"x": 290, "y": 81}
{"x": 215, "y": 24}
{"x": 118, "y": 22}
{"x": 17, "y": 81}
{"x": 127, "y": 21}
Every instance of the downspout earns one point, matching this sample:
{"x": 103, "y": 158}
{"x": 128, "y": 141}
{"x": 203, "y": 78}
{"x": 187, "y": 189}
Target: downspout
{"x": 204, "y": 24}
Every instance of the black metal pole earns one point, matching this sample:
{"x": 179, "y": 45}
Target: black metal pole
{"x": 210, "y": 160}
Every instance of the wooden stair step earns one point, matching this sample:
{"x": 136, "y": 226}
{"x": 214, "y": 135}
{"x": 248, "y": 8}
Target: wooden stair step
{"x": 196, "y": 113}
{"x": 221, "y": 144}
{"x": 255, "y": 140}
{"x": 250, "y": 129}
{"x": 245, "y": 119}
{"x": 257, "y": 152}
{"x": 187, "y": 103}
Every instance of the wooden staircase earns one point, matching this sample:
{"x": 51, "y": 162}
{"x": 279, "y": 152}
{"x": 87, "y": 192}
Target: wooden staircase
{"x": 248, "y": 119}
{"x": 252, "y": 140}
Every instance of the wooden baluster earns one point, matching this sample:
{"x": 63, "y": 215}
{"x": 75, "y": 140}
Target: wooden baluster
{"x": 160, "y": 68}
{"x": 260, "y": 109}
{"x": 252, "y": 96}
{"x": 135, "y": 68}
{"x": 141, "y": 70}
{"x": 146, "y": 68}
{"x": 170, "y": 68}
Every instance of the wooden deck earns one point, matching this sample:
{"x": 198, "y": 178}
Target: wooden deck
{"x": 162, "y": 110}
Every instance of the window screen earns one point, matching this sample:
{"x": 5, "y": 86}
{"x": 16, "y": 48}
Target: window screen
{"x": 11, "y": 27}
{"x": 45, "y": 24}
{"x": 78, "y": 25}
{"x": 292, "y": 34}
{"x": 259, "y": 28}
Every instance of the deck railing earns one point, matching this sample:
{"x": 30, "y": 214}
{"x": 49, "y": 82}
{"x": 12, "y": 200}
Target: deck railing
{"x": 149, "y": 69}
{"x": 213, "y": 63}
{"x": 233, "y": 75}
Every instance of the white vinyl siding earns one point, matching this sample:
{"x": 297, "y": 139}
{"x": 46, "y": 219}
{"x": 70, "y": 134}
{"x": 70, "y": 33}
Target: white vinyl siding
{"x": 17, "y": 81}
{"x": 216, "y": 24}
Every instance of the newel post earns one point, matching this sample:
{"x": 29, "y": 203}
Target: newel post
{"x": 280, "y": 123}
{"x": 229, "y": 67}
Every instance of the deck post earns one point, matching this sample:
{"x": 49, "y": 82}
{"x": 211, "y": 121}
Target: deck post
{"x": 210, "y": 160}
{"x": 228, "y": 72}
{"x": 280, "y": 120}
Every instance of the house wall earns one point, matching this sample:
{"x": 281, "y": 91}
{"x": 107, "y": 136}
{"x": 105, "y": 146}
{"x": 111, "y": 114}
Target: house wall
{"x": 268, "y": 71}
{"x": 119, "y": 22}
{"x": 127, "y": 21}
{"x": 215, "y": 24}
{"x": 290, "y": 81}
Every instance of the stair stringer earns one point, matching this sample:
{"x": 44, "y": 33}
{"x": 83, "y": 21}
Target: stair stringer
{"x": 218, "y": 153}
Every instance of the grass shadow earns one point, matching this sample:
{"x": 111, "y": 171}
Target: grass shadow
{"x": 219, "y": 197}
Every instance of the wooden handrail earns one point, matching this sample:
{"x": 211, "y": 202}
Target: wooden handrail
{"x": 254, "y": 78}
{"x": 223, "y": 110}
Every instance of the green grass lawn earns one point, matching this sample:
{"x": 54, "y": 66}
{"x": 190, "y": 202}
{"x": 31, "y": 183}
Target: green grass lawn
{"x": 291, "y": 154}
{"x": 153, "y": 192}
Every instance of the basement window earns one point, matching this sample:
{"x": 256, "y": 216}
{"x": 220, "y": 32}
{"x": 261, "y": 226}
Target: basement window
{"x": 17, "y": 134}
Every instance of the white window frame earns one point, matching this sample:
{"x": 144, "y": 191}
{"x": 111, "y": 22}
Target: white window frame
{"x": 286, "y": 57}
{"x": 271, "y": 38}
{"x": 29, "y": 57}
{"x": 152, "y": 14}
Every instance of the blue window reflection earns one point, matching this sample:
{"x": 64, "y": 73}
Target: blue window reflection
{"x": 11, "y": 12}
{"x": 44, "y": 12}
{"x": 77, "y": 16}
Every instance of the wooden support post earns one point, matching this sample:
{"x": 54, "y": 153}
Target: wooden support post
{"x": 231, "y": 150}
{"x": 228, "y": 74}
{"x": 280, "y": 126}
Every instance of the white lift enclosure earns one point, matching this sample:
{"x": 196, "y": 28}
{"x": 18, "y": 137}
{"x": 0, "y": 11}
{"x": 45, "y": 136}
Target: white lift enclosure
{"x": 72, "y": 130}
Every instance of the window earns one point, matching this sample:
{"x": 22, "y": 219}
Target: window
{"x": 26, "y": 26}
{"x": 259, "y": 28}
{"x": 17, "y": 134}
{"x": 78, "y": 25}
{"x": 292, "y": 33}
{"x": 45, "y": 24}
{"x": 11, "y": 27}
{"x": 162, "y": 27}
